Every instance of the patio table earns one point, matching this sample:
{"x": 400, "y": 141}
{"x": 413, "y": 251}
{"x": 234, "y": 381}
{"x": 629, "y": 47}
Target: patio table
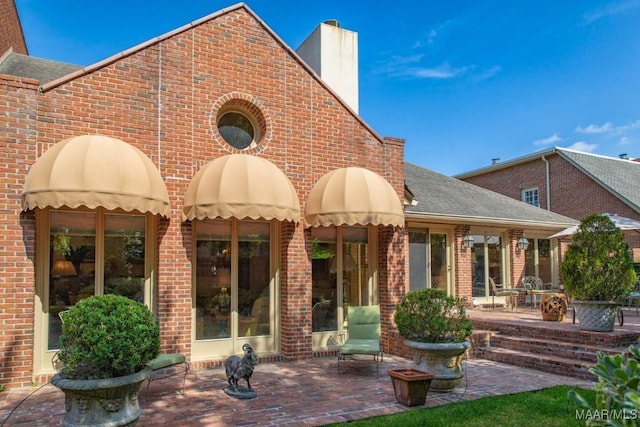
{"x": 535, "y": 292}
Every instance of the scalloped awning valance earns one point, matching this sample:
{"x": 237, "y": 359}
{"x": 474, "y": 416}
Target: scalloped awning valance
{"x": 95, "y": 171}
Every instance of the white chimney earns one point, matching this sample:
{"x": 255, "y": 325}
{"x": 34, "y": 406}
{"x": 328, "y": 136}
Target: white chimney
{"x": 332, "y": 52}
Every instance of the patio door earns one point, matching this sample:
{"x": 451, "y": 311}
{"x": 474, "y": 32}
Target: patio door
{"x": 486, "y": 261}
{"x": 234, "y": 289}
{"x": 429, "y": 260}
{"x": 538, "y": 260}
{"x": 343, "y": 272}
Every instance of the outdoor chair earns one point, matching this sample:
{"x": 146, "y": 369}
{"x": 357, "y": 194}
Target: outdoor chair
{"x": 534, "y": 286}
{"x": 633, "y": 299}
{"x": 363, "y": 329}
{"x": 168, "y": 365}
{"x": 500, "y": 291}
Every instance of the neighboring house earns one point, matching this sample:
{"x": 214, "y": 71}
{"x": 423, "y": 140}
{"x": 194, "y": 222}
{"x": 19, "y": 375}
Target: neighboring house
{"x": 568, "y": 182}
{"x": 216, "y": 177}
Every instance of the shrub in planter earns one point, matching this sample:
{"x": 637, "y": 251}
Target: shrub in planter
{"x": 107, "y": 336}
{"x": 105, "y": 345}
{"x": 597, "y": 265}
{"x": 429, "y": 315}
{"x": 597, "y": 272}
{"x": 436, "y": 327}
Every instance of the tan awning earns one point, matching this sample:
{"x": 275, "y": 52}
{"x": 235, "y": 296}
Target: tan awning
{"x": 95, "y": 171}
{"x": 241, "y": 186}
{"x": 350, "y": 196}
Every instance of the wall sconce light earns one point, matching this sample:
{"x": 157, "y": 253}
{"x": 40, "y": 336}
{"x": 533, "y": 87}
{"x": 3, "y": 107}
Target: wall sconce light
{"x": 467, "y": 241}
{"x": 522, "y": 243}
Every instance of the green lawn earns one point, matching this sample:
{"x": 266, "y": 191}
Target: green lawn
{"x": 548, "y": 407}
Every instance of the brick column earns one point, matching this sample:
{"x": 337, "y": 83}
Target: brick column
{"x": 463, "y": 257}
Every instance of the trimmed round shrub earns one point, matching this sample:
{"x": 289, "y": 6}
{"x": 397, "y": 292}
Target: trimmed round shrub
{"x": 430, "y": 316}
{"x": 107, "y": 336}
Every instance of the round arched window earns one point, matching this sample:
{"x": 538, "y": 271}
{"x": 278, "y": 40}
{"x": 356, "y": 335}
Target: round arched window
{"x": 239, "y": 123}
{"x": 237, "y": 130}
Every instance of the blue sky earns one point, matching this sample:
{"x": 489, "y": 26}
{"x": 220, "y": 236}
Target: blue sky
{"x": 461, "y": 81}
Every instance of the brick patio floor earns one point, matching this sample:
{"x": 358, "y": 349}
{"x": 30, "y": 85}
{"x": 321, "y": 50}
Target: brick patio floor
{"x": 306, "y": 393}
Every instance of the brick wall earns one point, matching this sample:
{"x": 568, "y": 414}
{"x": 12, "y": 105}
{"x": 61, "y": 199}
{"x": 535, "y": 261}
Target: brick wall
{"x": 11, "y": 36}
{"x": 162, "y": 100}
{"x": 511, "y": 181}
{"x": 18, "y": 98}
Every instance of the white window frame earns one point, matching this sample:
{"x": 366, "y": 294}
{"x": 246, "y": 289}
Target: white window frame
{"x": 530, "y": 195}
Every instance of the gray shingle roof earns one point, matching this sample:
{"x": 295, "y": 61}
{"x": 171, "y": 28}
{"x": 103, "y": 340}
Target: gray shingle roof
{"x": 619, "y": 176}
{"x": 442, "y": 196}
{"x": 43, "y": 70}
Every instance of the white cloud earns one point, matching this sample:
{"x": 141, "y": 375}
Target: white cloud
{"x": 444, "y": 71}
{"x": 624, "y": 141}
{"x": 489, "y": 73}
{"x": 411, "y": 59}
{"x": 613, "y": 8}
{"x": 607, "y": 127}
{"x": 547, "y": 141}
{"x": 583, "y": 146}
{"x": 631, "y": 125}
{"x": 430, "y": 37}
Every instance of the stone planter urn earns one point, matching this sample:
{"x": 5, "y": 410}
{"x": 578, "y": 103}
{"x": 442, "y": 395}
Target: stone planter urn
{"x": 410, "y": 385}
{"x": 443, "y": 360}
{"x": 597, "y": 316}
{"x": 105, "y": 403}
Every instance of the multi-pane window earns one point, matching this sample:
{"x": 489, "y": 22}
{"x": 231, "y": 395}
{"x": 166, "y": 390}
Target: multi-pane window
{"x": 233, "y": 279}
{"x": 93, "y": 253}
{"x": 486, "y": 262}
{"x": 428, "y": 260}
{"x": 340, "y": 273}
{"x": 531, "y": 197}
{"x": 538, "y": 259}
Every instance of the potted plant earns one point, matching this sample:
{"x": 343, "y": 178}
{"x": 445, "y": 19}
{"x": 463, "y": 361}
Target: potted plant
{"x": 597, "y": 272}
{"x": 410, "y": 385}
{"x": 105, "y": 345}
{"x": 437, "y": 328}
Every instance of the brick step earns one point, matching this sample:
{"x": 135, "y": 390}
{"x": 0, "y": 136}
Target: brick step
{"x": 552, "y": 347}
{"x": 546, "y": 363}
{"x": 556, "y": 331}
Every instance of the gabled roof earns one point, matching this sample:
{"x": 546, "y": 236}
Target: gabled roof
{"x": 621, "y": 177}
{"x": 74, "y": 72}
{"x": 43, "y": 70}
{"x": 443, "y": 198}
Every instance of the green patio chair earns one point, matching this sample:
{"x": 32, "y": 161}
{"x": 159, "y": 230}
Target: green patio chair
{"x": 363, "y": 329}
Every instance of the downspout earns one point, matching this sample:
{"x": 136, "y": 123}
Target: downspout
{"x": 547, "y": 181}
{"x": 555, "y": 268}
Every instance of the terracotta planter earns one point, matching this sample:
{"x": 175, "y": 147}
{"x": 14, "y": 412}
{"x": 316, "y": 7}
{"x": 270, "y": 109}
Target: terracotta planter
{"x": 410, "y": 385}
{"x": 107, "y": 403}
{"x": 443, "y": 360}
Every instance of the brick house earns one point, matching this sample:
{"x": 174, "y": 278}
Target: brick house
{"x": 215, "y": 176}
{"x": 568, "y": 182}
